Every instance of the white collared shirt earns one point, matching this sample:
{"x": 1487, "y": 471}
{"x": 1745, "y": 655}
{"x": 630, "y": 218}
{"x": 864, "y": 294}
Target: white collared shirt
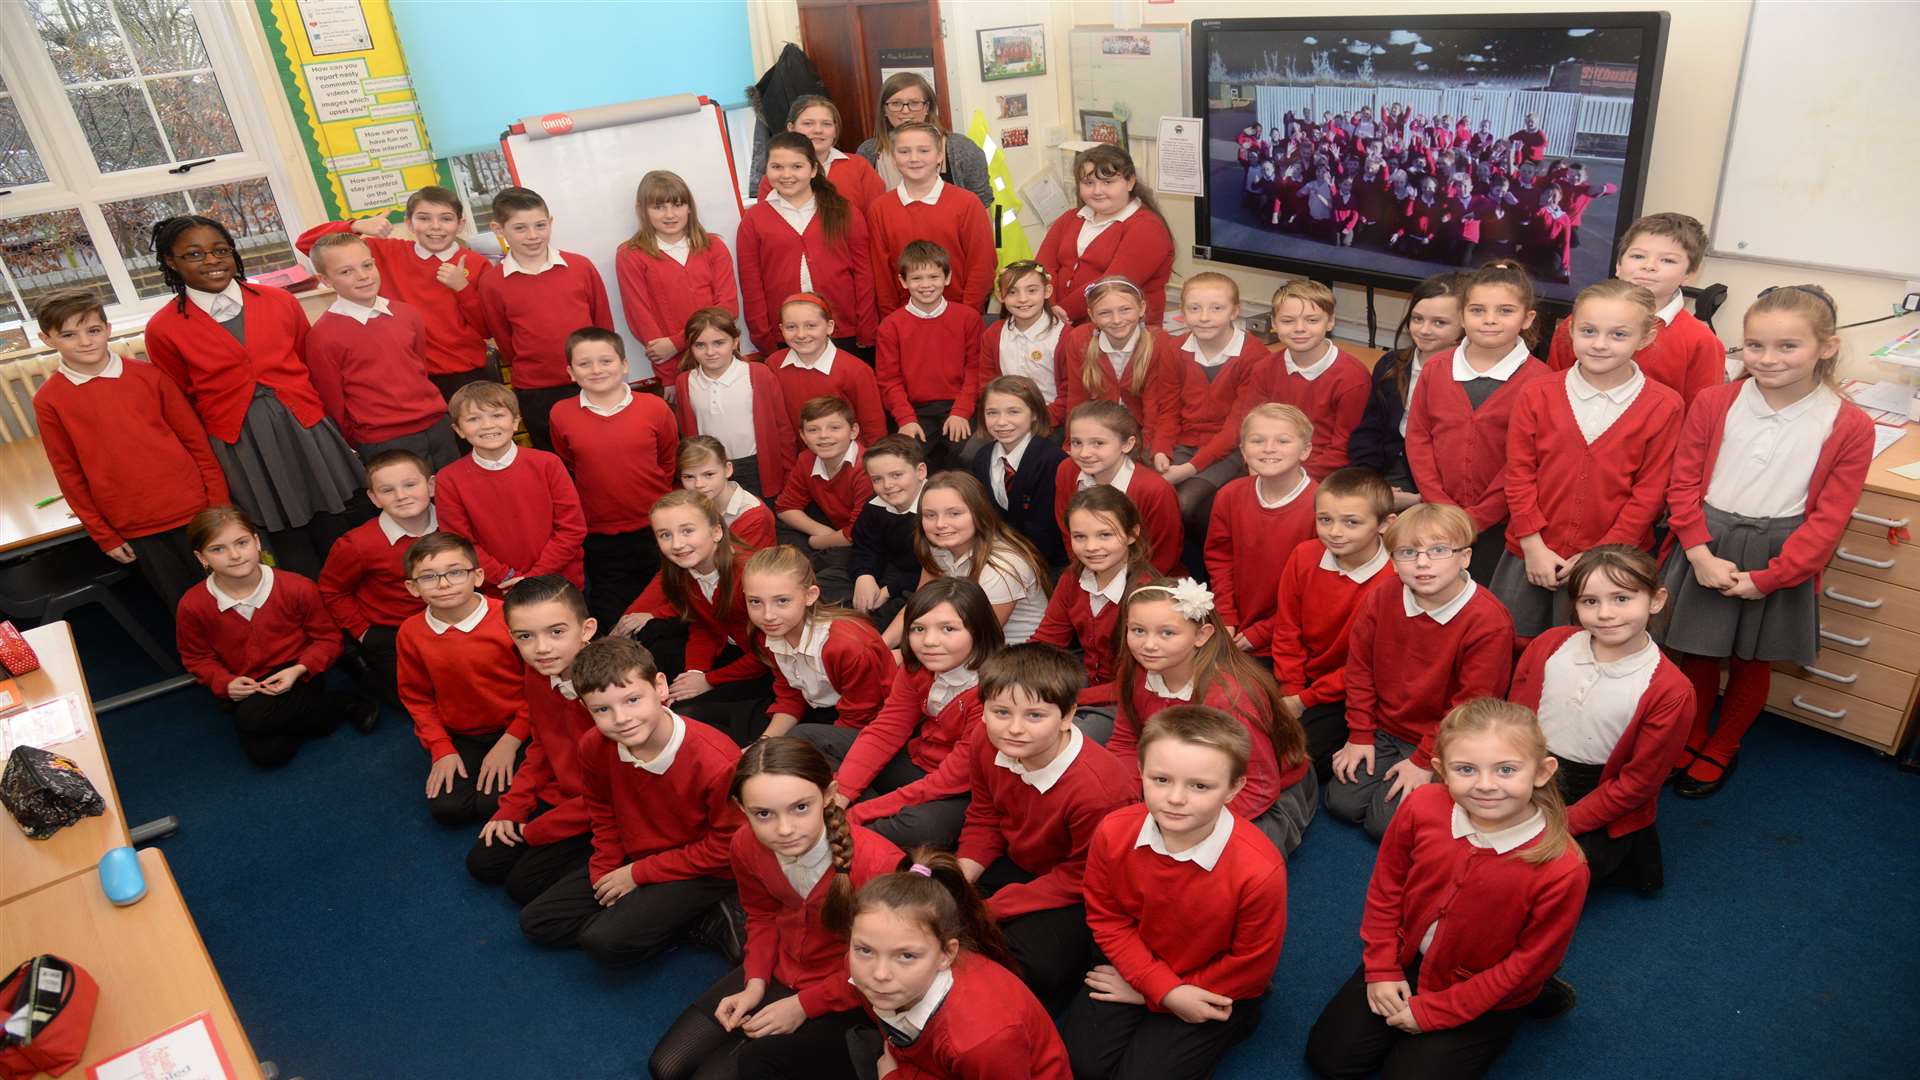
{"x": 938, "y": 309}
{"x": 563, "y": 687}
{"x": 1316, "y": 369}
{"x": 1030, "y": 352}
{"x": 1007, "y": 578}
{"x": 1097, "y": 597}
{"x": 738, "y": 503}
{"x": 1261, "y": 496}
{"x": 393, "y": 530}
{"x": 1043, "y": 778}
{"x": 1595, "y": 410}
{"x": 997, "y": 474}
{"x": 930, "y": 198}
{"x": 1121, "y": 477}
{"x": 797, "y": 218}
{"x": 850, "y": 460}
{"x": 1205, "y": 854}
{"x": 361, "y": 313}
{"x": 109, "y": 370}
{"x": 949, "y": 685}
{"x": 1118, "y": 356}
{"x": 664, "y": 759}
{"x": 679, "y": 251}
{"x": 1767, "y": 455}
{"x": 803, "y": 872}
{"x": 1365, "y": 573}
{"x": 912, "y": 507}
{"x": 1227, "y": 352}
{"x": 1498, "y": 842}
{"x": 510, "y": 265}
{"x": 1090, "y": 229}
{"x": 1445, "y": 613}
{"x": 1586, "y": 703}
{"x": 248, "y": 604}
{"x": 504, "y": 461}
{"x": 709, "y": 583}
{"x": 913, "y": 1021}
{"x": 1502, "y": 371}
{"x": 804, "y": 665}
{"x": 465, "y": 625}
{"x": 1671, "y": 309}
{"x": 222, "y": 305}
{"x": 822, "y": 363}
{"x": 420, "y": 252}
{"x": 724, "y": 407}
{"x": 626, "y": 399}
{"x": 1158, "y": 685}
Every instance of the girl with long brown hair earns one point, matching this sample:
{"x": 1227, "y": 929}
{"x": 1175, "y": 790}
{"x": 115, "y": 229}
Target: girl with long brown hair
{"x": 717, "y": 392}
{"x": 669, "y": 268}
{"x": 805, "y": 236}
{"x": 1116, "y": 229}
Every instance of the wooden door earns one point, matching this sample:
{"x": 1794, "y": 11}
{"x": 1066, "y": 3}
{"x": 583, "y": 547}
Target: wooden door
{"x": 844, "y": 39}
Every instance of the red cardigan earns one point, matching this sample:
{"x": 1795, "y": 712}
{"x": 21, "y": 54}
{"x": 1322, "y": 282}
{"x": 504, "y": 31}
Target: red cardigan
{"x": 1630, "y": 782}
{"x": 1312, "y": 621}
{"x": 456, "y": 321}
{"x": 657, "y": 294}
{"x": 921, "y": 360}
{"x": 128, "y": 453}
{"x": 1156, "y": 407}
{"x": 293, "y": 627}
{"x": 524, "y": 520}
{"x": 785, "y": 937}
{"x": 461, "y": 682}
{"x": 1265, "y": 778}
{"x": 929, "y": 740}
{"x": 1208, "y": 406}
{"x": 1838, "y": 475}
{"x": 1458, "y": 453}
{"x": 1164, "y": 922}
{"x": 774, "y": 440}
{"x": 850, "y": 379}
{"x": 1247, "y": 548}
{"x": 1504, "y": 923}
{"x": 1578, "y": 496}
{"x": 218, "y": 373}
{"x": 851, "y": 176}
{"x": 670, "y": 826}
{"x": 990, "y": 1026}
{"x": 1685, "y": 357}
{"x": 957, "y": 222}
{"x": 859, "y": 665}
{"x": 841, "y": 273}
{"x": 1139, "y": 249}
{"x": 364, "y": 580}
{"x": 1405, "y": 673}
{"x": 1159, "y": 510}
{"x": 708, "y": 634}
{"x": 1069, "y": 620}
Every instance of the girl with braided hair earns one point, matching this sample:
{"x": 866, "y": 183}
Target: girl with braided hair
{"x": 797, "y": 864}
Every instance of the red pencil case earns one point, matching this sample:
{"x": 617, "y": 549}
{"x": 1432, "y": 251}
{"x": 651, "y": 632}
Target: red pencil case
{"x": 58, "y": 997}
{"x": 16, "y": 656}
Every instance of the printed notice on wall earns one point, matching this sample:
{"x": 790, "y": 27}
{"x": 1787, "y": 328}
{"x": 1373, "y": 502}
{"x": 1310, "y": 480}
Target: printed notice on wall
{"x": 1180, "y": 157}
{"x": 334, "y": 26}
{"x": 338, "y": 90}
{"x": 372, "y": 190}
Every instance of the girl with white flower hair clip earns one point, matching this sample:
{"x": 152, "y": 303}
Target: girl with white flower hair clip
{"x": 1172, "y": 648}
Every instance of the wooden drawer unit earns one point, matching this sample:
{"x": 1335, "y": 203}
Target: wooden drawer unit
{"x": 1843, "y": 714}
{"x": 1879, "y": 511}
{"x": 1843, "y": 591}
{"x": 1854, "y": 676}
{"x": 1844, "y": 630}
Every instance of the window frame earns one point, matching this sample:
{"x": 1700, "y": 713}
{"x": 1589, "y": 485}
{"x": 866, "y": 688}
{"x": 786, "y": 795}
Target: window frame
{"x": 74, "y": 179}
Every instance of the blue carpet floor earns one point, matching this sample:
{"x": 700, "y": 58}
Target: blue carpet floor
{"x": 355, "y": 947}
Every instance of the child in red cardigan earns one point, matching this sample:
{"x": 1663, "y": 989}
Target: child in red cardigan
{"x": 261, "y": 641}
{"x": 364, "y": 582}
{"x": 718, "y": 393}
{"x": 539, "y": 833}
{"x": 1039, "y": 791}
{"x": 1615, "y": 712}
{"x": 818, "y": 119}
{"x": 1217, "y": 359}
{"x": 1412, "y": 653}
{"x": 1258, "y": 520}
{"x": 656, "y": 789}
{"x": 1588, "y": 455}
{"x": 537, "y": 298}
{"x": 1027, "y": 340}
{"x": 1187, "y": 905}
{"x": 1119, "y": 357}
{"x": 829, "y": 664}
{"x": 367, "y": 355}
{"x": 1459, "y": 410}
{"x": 805, "y": 235}
{"x": 620, "y": 447}
{"x": 942, "y": 995}
{"x": 1109, "y": 560}
{"x": 1101, "y": 437}
{"x": 703, "y": 465}
{"x": 825, "y": 492}
{"x": 1320, "y": 588}
{"x": 813, "y": 366}
{"x": 517, "y": 505}
{"x": 1473, "y": 901}
{"x": 925, "y": 357}
{"x": 1116, "y": 230}
{"x": 797, "y": 864}
{"x": 924, "y": 207}
{"x": 670, "y": 268}
{"x": 462, "y": 682}
{"x": 127, "y": 450}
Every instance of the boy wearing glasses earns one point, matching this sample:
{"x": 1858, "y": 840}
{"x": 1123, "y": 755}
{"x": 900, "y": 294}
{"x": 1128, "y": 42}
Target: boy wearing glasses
{"x": 363, "y": 582}
{"x": 1412, "y": 655}
{"x": 461, "y": 680}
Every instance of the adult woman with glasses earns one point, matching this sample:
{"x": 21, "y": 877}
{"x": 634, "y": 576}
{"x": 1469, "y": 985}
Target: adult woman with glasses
{"x": 907, "y": 98}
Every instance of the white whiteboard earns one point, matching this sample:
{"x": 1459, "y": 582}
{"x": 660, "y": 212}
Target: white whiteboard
{"x": 589, "y": 175}
{"x": 1822, "y": 153}
{"x": 1145, "y": 70}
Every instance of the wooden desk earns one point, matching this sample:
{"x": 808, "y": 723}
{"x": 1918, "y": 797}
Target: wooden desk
{"x": 148, "y": 958}
{"x": 26, "y": 865}
{"x": 25, "y": 479}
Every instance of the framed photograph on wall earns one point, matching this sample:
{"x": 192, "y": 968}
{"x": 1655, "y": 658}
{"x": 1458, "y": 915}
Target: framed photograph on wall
{"x": 1097, "y": 125}
{"x": 1013, "y": 52}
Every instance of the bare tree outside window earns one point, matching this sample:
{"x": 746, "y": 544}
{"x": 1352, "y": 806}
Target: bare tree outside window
{"x": 19, "y": 161}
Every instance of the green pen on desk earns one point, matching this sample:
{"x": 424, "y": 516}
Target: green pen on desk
{"x": 48, "y": 501}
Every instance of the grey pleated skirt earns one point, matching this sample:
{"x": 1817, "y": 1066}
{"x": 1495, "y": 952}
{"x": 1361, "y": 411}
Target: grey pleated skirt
{"x": 1535, "y": 610}
{"x": 1782, "y": 626}
{"x": 283, "y": 474}
{"x": 1285, "y": 822}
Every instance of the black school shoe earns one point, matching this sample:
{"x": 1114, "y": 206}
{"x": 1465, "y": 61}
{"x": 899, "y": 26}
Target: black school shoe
{"x": 1688, "y": 788}
{"x": 724, "y": 929}
{"x": 1556, "y": 999}
{"x": 364, "y": 715}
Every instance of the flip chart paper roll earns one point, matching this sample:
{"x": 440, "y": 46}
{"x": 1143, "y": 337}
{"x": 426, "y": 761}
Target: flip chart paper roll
{"x": 605, "y": 116}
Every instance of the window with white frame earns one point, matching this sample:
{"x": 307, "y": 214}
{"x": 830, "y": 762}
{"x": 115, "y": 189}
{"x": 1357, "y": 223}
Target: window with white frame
{"x": 115, "y": 114}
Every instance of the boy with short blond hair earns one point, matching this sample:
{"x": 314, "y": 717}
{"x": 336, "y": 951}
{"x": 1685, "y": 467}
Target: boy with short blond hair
{"x": 517, "y": 505}
{"x": 924, "y": 357}
{"x": 364, "y": 580}
{"x": 127, "y": 449}
{"x": 1259, "y": 519}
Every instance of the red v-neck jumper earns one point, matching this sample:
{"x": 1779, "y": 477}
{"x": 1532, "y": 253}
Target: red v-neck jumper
{"x": 671, "y": 826}
{"x": 1576, "y": 495}
{"x": 1312, "y": 622}
{"x": 524, "y": 520}
{"x": 1458, "y": 453}
{"x": 1151, "y": 494}
{"x": 456, "y": 321}
{"x": 621, "y": 464}
{"x": 364, "y": 580}
{"x": 1156, "y": 406}
{"x": 1069, "y": 621}
{"x": 218, "y": 373}
{"x": 919, "y": 360}
{"x": 1139, "y": 249}
{"x": 841, "y": 273}
{"x": 1266, "y": 778}
{"x": 657, "y": 294}
{"x": 850, "y": 380}
{"x": 1209, "y": 408}
{"x": 372, "y": 376}
{"x": 901, "y": 722}
{"x": 531, "y": 316}
{"x": 774, "y": 440}
{"x": 859, "y": 666}
{"x": 957, "y": 222}
{"x": 1406, "y": 672}
{"x": 550, "y": 770}
{"x": 461, "y": 682}
{"x": 708, "y": 634}
{"x": 1247, "y": 549}
{"x": 786, "y": 939}
{"x": 1335, "y": 402}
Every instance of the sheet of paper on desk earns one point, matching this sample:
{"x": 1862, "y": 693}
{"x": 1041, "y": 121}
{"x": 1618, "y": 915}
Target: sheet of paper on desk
{"x": 49, "y": 723}
{"x": 1911, "y": 470}
{"x": 1885, "y": 435}
{"x": 188, "y": 1051}
{"x": 1885, "y": 402}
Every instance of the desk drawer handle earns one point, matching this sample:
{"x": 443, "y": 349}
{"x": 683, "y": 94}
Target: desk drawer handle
{"x": 1877, "y": 564}
{"x": 1831, "y": 714}
{"x": 1885, "y": 523}
{"x": 1858, "y": 643}
{"x": 1843, "y": 680}
{"x": 1832, "y": 594}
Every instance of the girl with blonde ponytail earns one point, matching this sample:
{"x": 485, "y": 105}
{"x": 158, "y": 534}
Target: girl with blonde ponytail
{"x": 797, "y": 863}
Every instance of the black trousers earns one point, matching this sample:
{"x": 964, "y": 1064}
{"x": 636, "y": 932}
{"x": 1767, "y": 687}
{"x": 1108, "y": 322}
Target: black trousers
{"x": 829, "y": 564}
{"x": 942, "y": 453}
{"x": 1326, "y": 728}
{"x": 465, "y": 803}
{"x": 1632, "y": 860}
{"x": 618, "y": 566}
{"x": 936, "y": 823}
{"x": 166, "y": 560}
{"x": 746, "y": 473}
{"x": 535, "y": 407}
{"x": 634, "y": 929}
{"x": 272, "y": 726}
{"x": 1350, "y": 1041}
{"x": 436, "y": 444}
{"x": 1054, "y": 947}
{"x": 379, "y": 648}
{"x": 847, "y": 344}
{"x": 527, "y": 870}
{"x": 738, "y": 708}
{"x": 448, "y": 382}
{"x": 1110, "y": 1041}
{"x": 696, "y": 1047}
{"x": 1487, "y": 549}
{"x": 303, "y": 548}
